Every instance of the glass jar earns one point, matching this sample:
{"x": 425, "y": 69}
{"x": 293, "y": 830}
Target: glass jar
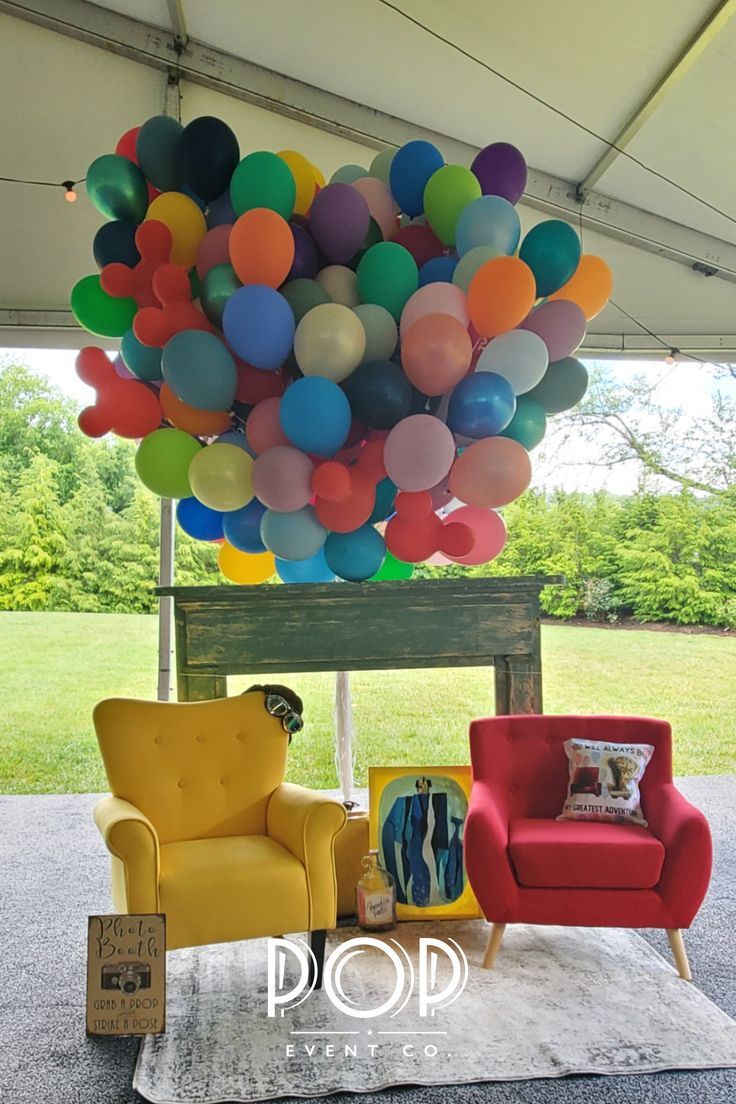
{"x": 375, "y": 896}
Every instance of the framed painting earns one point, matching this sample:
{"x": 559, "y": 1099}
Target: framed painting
{"x": 417, "y": 824}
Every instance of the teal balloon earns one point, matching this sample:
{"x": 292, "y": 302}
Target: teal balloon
{"x": 355, "y": 556}
{"x": 200, "y": 370}
{"x": 296, "y": 535}
{"x": 348, "y": 174}
{"x": 215, "y": 290}
{"x": 117, "y": 188}
{"x": 144, "y": 361}
{"x": 157, "y": 152}
{"x": 528, "y": 424}
{"x": 552, "y": 251}
{"x": 384, "y": 505}
{"x": 561, "y": 387}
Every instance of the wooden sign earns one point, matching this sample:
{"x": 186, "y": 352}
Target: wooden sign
{"x": 126, "y": 974}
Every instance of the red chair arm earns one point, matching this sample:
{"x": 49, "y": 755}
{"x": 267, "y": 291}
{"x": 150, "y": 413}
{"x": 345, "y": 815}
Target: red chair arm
{"x": 486, "y": 855}
{"x": 685, "y": 833}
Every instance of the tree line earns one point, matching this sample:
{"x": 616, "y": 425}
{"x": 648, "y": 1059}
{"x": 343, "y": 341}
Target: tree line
{"x": 79, "y": 532}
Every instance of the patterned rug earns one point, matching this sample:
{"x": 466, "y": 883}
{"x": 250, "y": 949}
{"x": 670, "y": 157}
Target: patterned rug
{"x": 559, "y": 1001}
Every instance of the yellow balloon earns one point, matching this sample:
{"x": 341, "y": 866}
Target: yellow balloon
{"x": 221, "y": 478}
{"x": 244, "y": 568}
{"x": 319, "y": 176}
{"x": 303, "y": 173}
{"x": 185, "y": 221}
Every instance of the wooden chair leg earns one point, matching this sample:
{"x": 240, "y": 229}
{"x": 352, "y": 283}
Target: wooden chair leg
{"x": 494, "y": 942}
{"x": 317, "y": 940}
{"x": 679, "y": 953}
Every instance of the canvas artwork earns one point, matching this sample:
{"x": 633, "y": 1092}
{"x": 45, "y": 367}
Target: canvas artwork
{"x": 417, "y": 823}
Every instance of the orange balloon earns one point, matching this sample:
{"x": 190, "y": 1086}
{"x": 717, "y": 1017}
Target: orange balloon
{"x": 590, "y": 286}
{"x": 491, "y": 472}
{"x": 436, "y": 352}
{"x": 200, "y": 423}
{"x": 500, "y": 295}
{"x": 261, "y": 247}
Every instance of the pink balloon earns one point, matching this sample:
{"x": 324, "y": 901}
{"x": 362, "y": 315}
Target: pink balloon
{"x": 382, "y": 206}
{"x": 263, "y": 428}
{"x": 560, "y": 324}
{"x": 435, "y": 353}
{"x": 439, "y": 560}
{"x": 491, "y": 473}
{"x": 436, "y": 298}
{"x": 282, "y": 478}
{"x": 488, "y": 530}
{"x": 419, "y": 452}
{"x": 213, "y": 249}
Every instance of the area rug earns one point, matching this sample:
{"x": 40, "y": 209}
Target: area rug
{"x": 559, "y": 1001}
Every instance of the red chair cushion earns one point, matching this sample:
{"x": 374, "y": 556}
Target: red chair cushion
{"x": 584, "y": 854}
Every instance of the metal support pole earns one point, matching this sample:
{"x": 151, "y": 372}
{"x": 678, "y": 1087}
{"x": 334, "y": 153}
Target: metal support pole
{"x": 165, "y": 605}
{"x": 344, "y": 734}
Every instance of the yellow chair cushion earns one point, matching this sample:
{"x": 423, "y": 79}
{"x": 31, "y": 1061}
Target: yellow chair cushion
{"x": 216, "y": 890}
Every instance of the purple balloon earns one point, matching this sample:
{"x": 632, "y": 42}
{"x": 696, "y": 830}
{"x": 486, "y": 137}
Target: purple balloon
{"x": 560, "y": 324}
{"x": 122, "y": 370}
{"x": 306, "y": 259}
{"x": 501, "y": 170}
{"x": 339, "y": 219}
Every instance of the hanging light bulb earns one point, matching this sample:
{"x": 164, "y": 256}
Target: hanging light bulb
{"x": 69, "y": 194}
{"x": 671, "y": 356}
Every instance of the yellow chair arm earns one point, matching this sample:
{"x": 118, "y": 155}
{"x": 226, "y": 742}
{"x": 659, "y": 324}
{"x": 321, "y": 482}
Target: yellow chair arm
{"x": 306, "y": 824}
{"x": 131, "y": 838}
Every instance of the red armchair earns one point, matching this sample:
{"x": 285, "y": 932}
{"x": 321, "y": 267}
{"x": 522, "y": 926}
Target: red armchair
{"x": 527, "y": 867}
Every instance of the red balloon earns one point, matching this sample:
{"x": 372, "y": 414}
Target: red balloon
{"x": 155, "y": 326}
{"x": 456, "y": 539}
{"x": 126, "y": 407}
{"x": 153, "y": 242}
{"x": 254, "y": 385}
{"x": 126, "y": 145}
{"x": 421, "y": 241}
{"x": 332, "y": 481}
{"x": 348, "y": 514}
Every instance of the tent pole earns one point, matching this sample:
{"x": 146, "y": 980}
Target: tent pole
{"x": 344, "y": 734}
{"x": 165, "y": 605}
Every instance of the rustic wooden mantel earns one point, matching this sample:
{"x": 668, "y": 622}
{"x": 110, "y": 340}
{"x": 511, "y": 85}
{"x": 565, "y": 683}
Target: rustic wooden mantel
{"x": 230, "y": 630}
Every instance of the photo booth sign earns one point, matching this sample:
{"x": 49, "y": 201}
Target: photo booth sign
{"x": 126, "y": 974}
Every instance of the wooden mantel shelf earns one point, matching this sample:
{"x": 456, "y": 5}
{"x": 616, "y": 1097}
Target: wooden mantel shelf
{"x": 228, "y": 630}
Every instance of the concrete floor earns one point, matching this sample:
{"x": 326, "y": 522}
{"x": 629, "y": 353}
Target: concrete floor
{"x": 53, "y": 874}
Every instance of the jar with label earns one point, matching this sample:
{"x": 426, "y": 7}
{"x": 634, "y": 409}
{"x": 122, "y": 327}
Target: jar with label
{"x": 376, "y": 896}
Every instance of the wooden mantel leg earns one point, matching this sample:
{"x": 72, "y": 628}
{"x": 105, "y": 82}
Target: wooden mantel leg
{"x": 492, "y": 947}
{"x": 679, "y": 953}
{"x": 518, "y": 684}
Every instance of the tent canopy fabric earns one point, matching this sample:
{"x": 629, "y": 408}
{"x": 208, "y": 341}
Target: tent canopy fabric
{"x": 341, "y": 81}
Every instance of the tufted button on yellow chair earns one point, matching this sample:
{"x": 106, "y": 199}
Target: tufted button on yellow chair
{"x": 201, "y": 826}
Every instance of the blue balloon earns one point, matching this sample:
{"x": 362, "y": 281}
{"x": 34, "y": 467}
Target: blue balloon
{"x": 243, "y": 527}
{"x": 315, "y": 415}
{"x": 144, "y": 361}
{"x": 220, "y": 211}
{"x": 157, "y": 150}
{"x": 258, "y": 324}
{"x": 312, "y": 570}
{"x": 200, "y": 370}
{"x": 198, "y": 520}
{"x": 411, "y": 168}
{"x": 481, "y": 405}
{"x": 355, "y": 556}
{"x": 114, "y": 243}
{"x": 187, "y": 191}
{"x": 488, "y": 220}
{"x": 235, "y": 437}
{"x": 296, "y": 535}
{"x": 437, "y": 271}
{"x": 384, "y": 507}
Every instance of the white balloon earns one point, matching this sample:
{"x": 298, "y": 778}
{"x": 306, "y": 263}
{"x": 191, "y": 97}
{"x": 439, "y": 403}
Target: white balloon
{"x": 520, "y": 356}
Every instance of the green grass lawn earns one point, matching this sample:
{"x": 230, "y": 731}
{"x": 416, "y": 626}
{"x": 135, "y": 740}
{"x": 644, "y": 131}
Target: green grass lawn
{"x": 55, "y": 666}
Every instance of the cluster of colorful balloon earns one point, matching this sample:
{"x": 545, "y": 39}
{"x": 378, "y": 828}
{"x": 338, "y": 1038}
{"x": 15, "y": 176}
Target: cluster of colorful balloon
{"x": 335, "y": 379}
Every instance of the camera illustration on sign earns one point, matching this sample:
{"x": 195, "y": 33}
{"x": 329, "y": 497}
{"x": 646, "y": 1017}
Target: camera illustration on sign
{"x": 417, "y": 823}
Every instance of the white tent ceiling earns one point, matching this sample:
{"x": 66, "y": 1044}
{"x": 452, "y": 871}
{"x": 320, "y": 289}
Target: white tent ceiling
{"x": 342, "y": 80}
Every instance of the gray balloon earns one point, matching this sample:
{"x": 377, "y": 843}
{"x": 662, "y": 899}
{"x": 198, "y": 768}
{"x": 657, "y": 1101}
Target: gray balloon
{"x": 562, "y": 386}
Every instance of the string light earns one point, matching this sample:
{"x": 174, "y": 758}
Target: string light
{"x": 69, "y": 194}
{"x": 671, "y": 356}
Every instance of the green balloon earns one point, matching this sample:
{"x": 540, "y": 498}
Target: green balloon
{"x": 552, "y": 251}
{"x": 216, "y": 288}
{"x": 561, "y": 387}
{"x": 388, "y": 275}
{"x": 447, "y": 194}
{"x": 263, "y": 180}
{"x": 302, "y": 295}
{"x": 162, "y": 462}
{"x": 99, "y": 312}
{"x": 393, "y": 569}
{"x": 528, "y": 424}
{"x": 195, "y": 283}
{"x": 381, "y": 165}
{"x": 117, "y": 188}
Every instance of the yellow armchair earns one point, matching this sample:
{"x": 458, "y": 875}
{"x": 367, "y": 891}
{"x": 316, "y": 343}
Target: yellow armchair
{"x": 201, "y": 825}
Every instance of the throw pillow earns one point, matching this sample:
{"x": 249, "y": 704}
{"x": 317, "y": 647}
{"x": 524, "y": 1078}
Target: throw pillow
{"x": 604, "y": 781}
